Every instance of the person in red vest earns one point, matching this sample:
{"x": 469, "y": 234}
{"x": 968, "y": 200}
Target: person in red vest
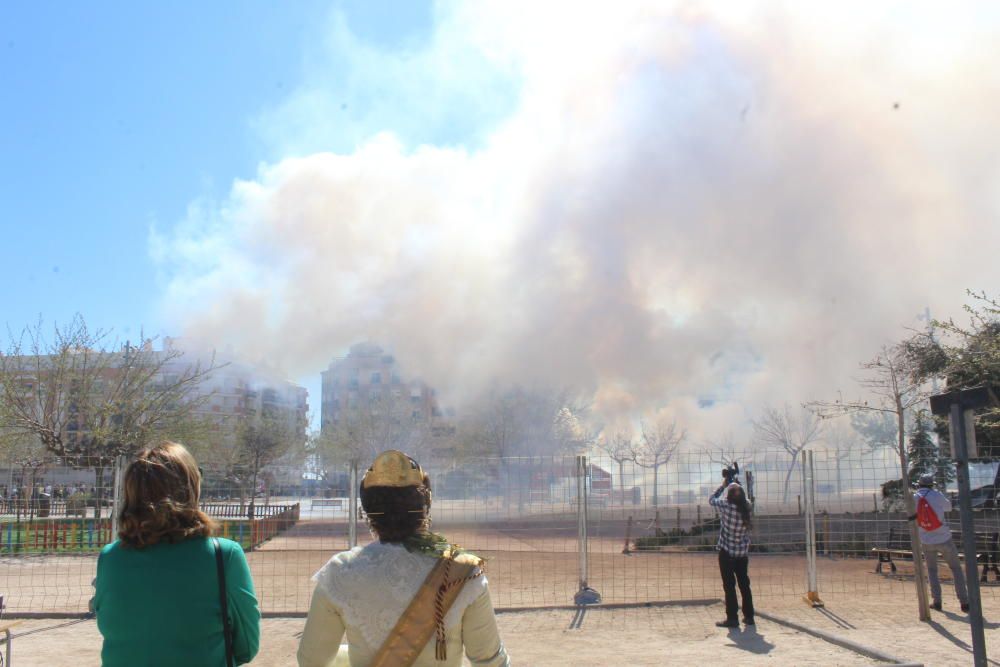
{"x": 935, "y": 536}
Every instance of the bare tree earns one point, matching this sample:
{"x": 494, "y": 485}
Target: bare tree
{"x": 361, "y": 432}
{"x": 619, "y": 446}
{"x": 660, "y": 441}
{"x": 793, "y": 433}
{"x": 89, "y": 400}
{"x": 896, "y": 388}
{"x": 724, "y": 453}
{"x": 842, "y": 442}
{"x": 264, "y": 439}
{"x": 889, "y": 378}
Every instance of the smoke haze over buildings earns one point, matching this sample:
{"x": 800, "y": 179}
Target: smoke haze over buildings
{"x": 683, "y": 209}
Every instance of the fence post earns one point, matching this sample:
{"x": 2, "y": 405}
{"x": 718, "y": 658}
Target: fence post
{"x": 116, "y": 494}
{"x": 809, "y": 482}
{"x": 352, "y": 508}
{"x": 961, "y": 449}
{"x": 827, "y": 535}
{"x": 584, "y": 594}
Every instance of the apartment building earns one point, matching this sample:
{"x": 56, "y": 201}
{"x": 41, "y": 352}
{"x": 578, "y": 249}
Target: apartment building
{"x": 369, "y": 374}
{"x": 236, "y": 390}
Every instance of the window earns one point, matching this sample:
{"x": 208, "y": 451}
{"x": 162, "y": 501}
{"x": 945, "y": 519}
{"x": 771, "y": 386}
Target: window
{"x": 376, "y": 377}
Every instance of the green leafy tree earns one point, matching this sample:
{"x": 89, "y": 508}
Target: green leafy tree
{"x": 925, "y": 455}
{"x": 963, "y": 356}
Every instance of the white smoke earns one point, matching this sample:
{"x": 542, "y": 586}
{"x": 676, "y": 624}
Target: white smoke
{"x": 686, "y": 208}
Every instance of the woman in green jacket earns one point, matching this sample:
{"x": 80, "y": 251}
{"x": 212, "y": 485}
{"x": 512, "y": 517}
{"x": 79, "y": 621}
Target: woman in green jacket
{"x": 158, "y": 600}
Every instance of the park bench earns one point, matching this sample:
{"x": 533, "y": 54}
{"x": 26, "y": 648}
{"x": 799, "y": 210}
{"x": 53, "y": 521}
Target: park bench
{"x": 898, "y": 546}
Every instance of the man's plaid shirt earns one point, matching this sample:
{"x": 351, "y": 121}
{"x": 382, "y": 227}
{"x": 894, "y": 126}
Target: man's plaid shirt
{"x": 734, "y": 537}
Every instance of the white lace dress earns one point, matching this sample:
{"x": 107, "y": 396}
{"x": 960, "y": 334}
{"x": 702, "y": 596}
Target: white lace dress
{"x": 364, "y": 591}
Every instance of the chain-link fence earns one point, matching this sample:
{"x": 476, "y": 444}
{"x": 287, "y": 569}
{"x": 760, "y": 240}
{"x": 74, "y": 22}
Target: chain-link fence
{"x": 547, "y": 526}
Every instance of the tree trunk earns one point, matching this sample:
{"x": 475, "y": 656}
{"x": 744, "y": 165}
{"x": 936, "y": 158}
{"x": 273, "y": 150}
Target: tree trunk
{"x": 621, "y": 479}
{"x": 656, "y": 484}
{"x": 253, "y": 495}
{"x": 242, "y": 494}
{"x": 505, "y": 485}
{"x": 31, "y": 497}
{"x": 788, "y": 477}
{"x": 840, "y": 488}
{"x": 98, "y": 489}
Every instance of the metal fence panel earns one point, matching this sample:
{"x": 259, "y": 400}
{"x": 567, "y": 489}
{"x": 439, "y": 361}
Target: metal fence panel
{"x": 650, "y": 533}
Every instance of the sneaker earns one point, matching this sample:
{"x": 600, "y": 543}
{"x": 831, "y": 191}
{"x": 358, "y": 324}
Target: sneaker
{"x": 965, "y": 606}
{"x": 727, "y": 624}
{"x": 936, "y": 606}
{"x": 748, "y": 621}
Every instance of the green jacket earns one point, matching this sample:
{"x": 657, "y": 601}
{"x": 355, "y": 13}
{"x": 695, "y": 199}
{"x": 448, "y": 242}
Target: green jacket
{"x": 160, "y": 605}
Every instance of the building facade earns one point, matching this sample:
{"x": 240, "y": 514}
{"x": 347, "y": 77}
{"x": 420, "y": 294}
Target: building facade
{"x": 368, "y": 376}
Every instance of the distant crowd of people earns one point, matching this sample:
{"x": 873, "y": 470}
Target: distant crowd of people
{"x": 54, "y": 492}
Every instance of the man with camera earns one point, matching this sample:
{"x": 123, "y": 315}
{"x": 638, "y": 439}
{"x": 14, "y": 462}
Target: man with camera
{"x": 734, "y": 510}
{"x": 935, "y": 536}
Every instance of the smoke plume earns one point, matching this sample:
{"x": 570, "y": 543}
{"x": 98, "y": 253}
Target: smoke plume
{"x": 683, "y": 209}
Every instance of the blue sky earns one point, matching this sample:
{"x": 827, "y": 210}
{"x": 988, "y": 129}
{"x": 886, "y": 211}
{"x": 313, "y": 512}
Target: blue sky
{"x": 683, "y": 171}
{"x": 118, "y": 115}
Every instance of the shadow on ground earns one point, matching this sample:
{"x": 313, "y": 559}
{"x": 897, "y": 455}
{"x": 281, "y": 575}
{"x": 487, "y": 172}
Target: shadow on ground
{"x": 748, "y": 639}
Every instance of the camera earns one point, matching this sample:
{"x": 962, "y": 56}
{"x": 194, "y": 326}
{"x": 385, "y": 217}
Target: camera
{"x": 731, "y": 473}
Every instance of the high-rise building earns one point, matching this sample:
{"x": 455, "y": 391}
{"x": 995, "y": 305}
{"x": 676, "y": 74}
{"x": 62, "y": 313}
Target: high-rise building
{"x": 369, "y": 375}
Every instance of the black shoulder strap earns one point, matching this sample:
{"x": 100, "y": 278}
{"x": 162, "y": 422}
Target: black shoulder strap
{"x": 227, "y": 631}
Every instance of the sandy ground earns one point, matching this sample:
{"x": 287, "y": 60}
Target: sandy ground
{"x": 528, "y": 567}
{"x": 536, "y": 566}
{"x": 645, "y": 636}
{"x": 660, "y": 636}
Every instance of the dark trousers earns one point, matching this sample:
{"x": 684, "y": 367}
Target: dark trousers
{"x": 734, "y": 570}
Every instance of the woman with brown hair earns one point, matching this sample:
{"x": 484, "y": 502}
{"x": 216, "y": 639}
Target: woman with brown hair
{"x": 159, "y": 598}
{"x": 408, "y": 598}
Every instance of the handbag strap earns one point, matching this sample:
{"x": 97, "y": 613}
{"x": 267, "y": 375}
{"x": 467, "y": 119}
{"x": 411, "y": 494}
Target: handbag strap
{"x": 227, "y": 630}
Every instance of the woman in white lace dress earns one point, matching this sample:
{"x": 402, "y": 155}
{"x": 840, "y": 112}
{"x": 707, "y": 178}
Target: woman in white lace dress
{"x": 364, "y": 592}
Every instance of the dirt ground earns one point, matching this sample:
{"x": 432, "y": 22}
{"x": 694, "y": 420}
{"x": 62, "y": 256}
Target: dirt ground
{"x": 528, "y": 567}
{"x": 545, "y": 638}
{"x": 532, "y": 567}
{"x": 637, "y": 636}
